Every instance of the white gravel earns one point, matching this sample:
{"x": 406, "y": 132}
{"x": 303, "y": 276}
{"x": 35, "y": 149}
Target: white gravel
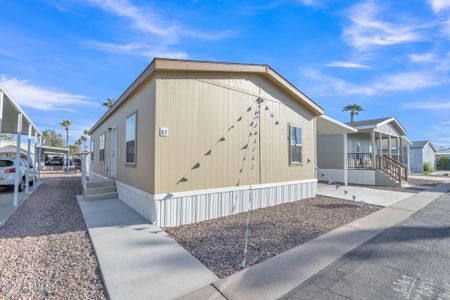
{"x": 45, "y": 251}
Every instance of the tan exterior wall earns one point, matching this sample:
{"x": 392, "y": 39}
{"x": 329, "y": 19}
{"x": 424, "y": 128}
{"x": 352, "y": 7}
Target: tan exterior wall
{"x": 201, "y": 112}
{"x": 140, "y": 175}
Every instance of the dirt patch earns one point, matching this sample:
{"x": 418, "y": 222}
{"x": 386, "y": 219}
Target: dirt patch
{"x": 219, "y": 243}
{"x": 426, "y": 182}
{"x": 45, "y": 248}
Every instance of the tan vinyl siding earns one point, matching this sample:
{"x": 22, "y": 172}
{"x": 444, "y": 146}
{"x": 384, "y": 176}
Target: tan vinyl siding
{"x": 141, "y": 175}
{"x": 198, "y": 108}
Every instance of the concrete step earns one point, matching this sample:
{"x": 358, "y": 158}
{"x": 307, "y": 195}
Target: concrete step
{"x": 101, "y": 196}
{"x": 99, "y": 183}
{"x": 100, "y": 190}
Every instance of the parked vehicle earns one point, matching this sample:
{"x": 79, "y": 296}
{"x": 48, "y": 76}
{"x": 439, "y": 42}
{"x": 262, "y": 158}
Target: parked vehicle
{"x": 8, "y": 169}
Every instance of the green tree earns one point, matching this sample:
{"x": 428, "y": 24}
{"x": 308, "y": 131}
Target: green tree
{"x": 108, "y": 103}
{"x": 66, "y": 124}
{"x": 444, "y": 163}
{"x": 5, "y": 137}
{"x": 354, "y": 110}
{"x": 52, "y": 139}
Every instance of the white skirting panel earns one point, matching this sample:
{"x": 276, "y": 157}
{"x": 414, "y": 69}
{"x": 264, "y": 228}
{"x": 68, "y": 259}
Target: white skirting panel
{"x": 141, "y": 202}
{"x": 366, "y": 177}
{"x": 195, "y": 206}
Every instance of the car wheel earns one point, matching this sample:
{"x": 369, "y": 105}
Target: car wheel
{"x": 22, "y": 184}
{"x": 31, "y": 183}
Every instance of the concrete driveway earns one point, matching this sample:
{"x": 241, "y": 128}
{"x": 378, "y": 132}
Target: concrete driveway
{"x": 358, "y": 193}
{"x": 6, "y": 202}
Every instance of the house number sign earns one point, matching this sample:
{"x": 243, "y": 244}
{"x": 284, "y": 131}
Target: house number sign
{"x": 163, "y": 131}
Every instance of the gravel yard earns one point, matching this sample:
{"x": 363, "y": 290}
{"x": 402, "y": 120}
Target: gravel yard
{"x": 45, "y": 248}
{"x": 219, "y": 243}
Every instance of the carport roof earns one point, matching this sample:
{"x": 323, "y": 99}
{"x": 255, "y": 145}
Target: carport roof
{"x": 9, "y": 111}
{"x": 329, "y": 126}
{"x": 55, "y": 150}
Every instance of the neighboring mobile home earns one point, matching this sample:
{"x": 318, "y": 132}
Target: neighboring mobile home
{"x": 420, "y": 153}
{"x": 376, "y": 153}
{"x": 188, "y": 139}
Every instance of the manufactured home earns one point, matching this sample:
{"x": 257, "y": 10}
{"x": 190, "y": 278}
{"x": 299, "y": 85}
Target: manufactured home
{"x": 375, "y": 153}
{"x": 191, "y": 141}
{"x": 422, "y": 152}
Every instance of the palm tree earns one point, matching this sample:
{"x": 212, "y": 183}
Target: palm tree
{"x": 66, "y": 124}
{"x": 354, "y": 110}
{"x": 108, "y": 103}
{"x": 83, "y": 140}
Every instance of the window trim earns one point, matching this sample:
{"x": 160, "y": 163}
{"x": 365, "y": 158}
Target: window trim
{"x": 291, "y": 163}
{"x": 100, "y": 149}
{"x": 134, "y": 163}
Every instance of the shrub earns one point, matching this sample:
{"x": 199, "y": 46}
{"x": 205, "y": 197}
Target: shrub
{"x": 428, "y": 167}
{"x": 444, "y": 163}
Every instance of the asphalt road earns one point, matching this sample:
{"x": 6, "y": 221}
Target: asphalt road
{"x": 408, "y": 261}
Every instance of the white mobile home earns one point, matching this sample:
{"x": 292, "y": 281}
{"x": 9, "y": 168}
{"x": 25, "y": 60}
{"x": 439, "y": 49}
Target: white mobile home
{"x": 420, "y": 153}
{"x": 376, "y": 153}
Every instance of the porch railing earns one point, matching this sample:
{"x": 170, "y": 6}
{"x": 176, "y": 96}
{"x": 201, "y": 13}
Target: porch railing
{"x": 392, "y": 167}
{"x": 360, "y": 160}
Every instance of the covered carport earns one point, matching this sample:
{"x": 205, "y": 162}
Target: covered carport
{"x": 13, "y": 120}
{"x": 331, "y": 127}
{"x": 43, "y": 150}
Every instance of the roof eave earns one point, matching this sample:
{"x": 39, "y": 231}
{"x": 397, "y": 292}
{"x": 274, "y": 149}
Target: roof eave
{"x": 161, "y": 64}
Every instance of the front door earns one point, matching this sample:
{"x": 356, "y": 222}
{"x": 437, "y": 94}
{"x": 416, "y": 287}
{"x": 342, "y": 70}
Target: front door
{"x": 113, "y": 168}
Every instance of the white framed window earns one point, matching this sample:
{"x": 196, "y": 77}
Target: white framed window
{"x": 101, "y": 148}
{"x": 295, "y": 145}
{"x": 130, "y": 138}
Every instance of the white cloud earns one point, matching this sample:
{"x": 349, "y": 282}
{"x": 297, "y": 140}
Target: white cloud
{"x": 422, "y": 57}
{"x": 407, "y": 81}
{"x": 328, "y": 85}
{"x": 439, "y": 5}
{"x": 367, "y": 29}
{"x": 347, "y": 64}
{"x": 310, "y": 2}
{"x": 143, "y": 50}
{"x": 430, "y": 105}
{"x": 41, "y": 98}
{"x": 148, "y": 21}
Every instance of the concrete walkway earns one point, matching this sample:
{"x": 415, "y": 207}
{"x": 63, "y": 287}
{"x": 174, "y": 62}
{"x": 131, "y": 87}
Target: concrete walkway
{"x": 366, "y": 194}
{"x": 6, "y": 202}
{"x": 277, "y": 276}
{"x": 139, "y": 260}
{"x": 408, "y": 261}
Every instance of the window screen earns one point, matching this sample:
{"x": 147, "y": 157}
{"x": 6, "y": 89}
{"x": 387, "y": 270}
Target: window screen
{"x": 296, "y": 146}
{"x": 130, "y": 139}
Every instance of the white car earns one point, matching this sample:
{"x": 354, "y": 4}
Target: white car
{"x": 8, "y": 169}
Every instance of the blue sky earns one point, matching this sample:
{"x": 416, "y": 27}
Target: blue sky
{"x": 62, "y": 58}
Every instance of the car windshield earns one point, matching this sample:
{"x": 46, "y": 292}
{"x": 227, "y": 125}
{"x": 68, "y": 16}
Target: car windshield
{"x": 6, "y": 163}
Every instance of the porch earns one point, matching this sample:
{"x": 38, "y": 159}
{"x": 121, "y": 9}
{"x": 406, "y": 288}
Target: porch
{"x": 364, "y": 147}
